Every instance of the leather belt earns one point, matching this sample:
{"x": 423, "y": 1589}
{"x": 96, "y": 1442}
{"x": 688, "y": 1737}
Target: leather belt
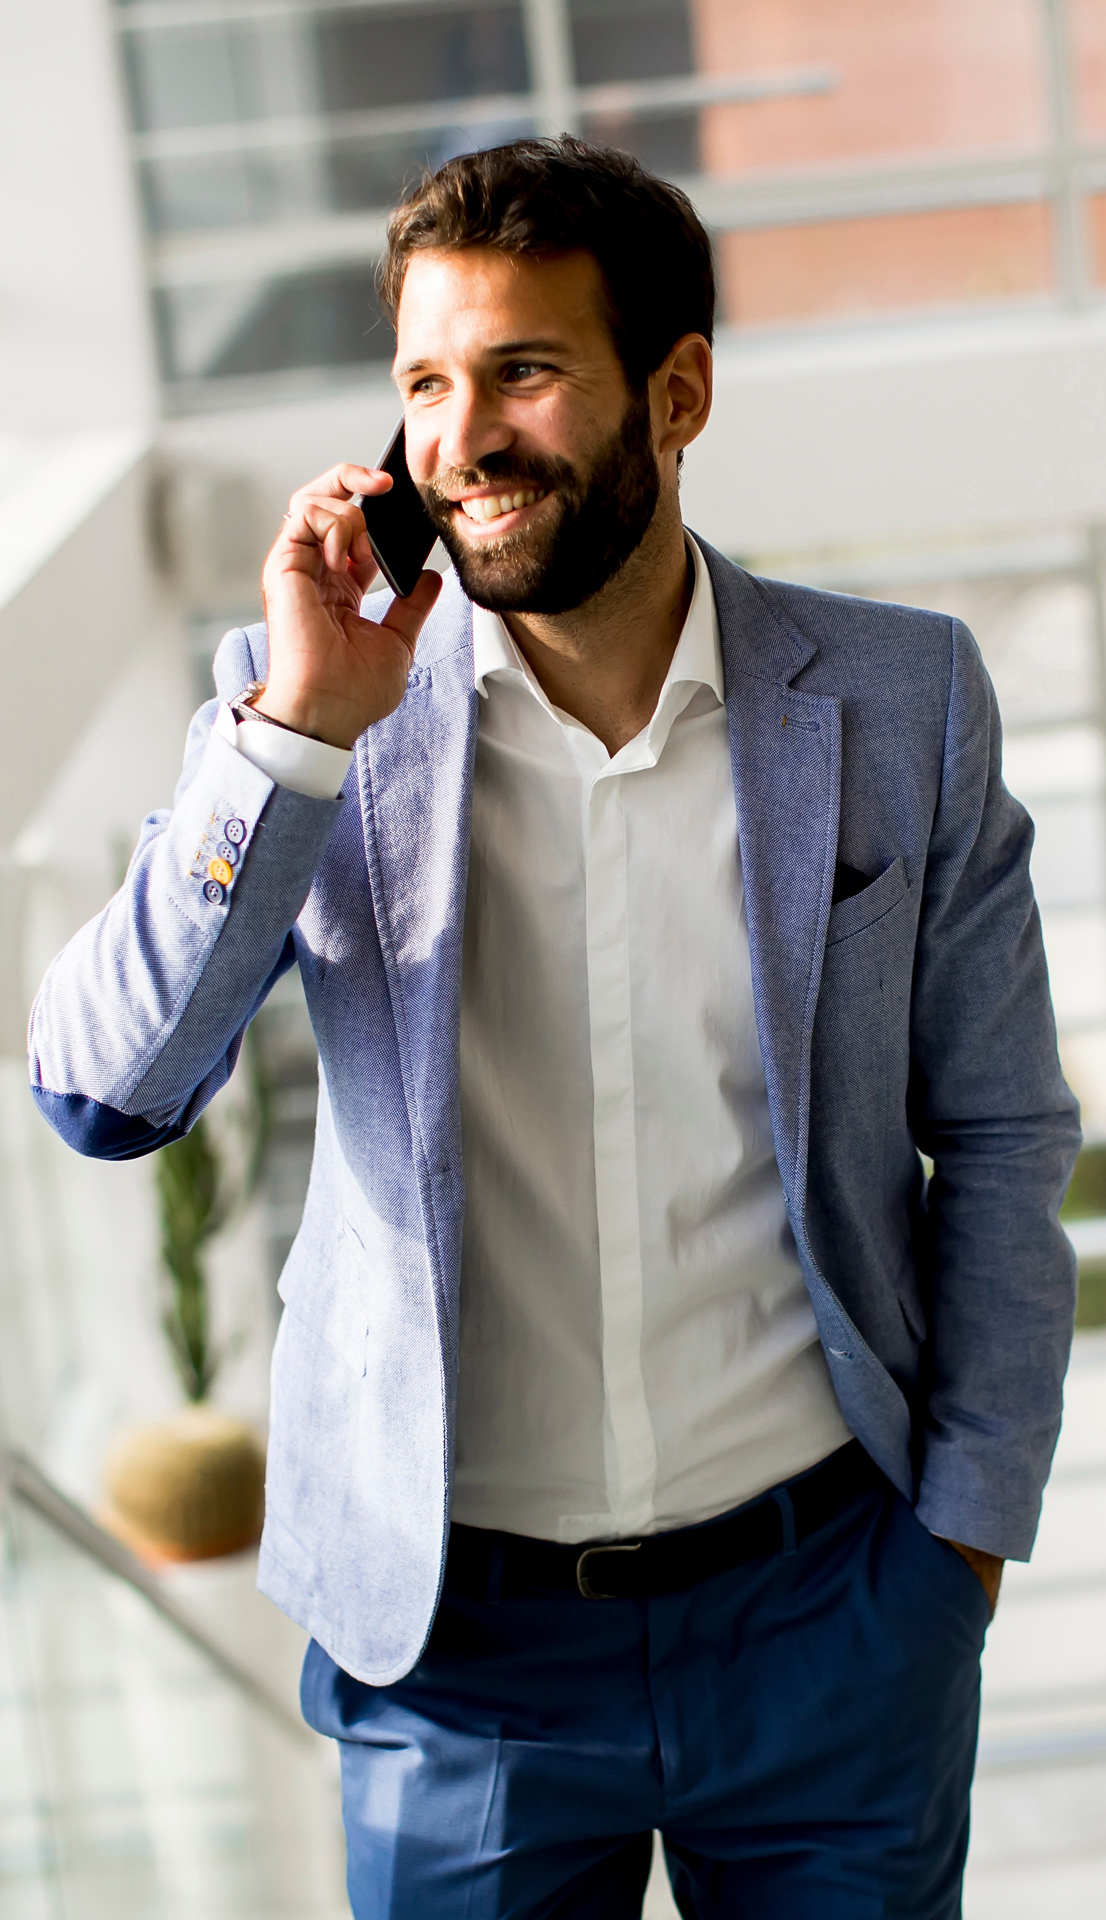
{"x": 493, "y": 1565}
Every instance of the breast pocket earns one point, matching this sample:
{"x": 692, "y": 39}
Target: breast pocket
{"x": 863, "y": 909}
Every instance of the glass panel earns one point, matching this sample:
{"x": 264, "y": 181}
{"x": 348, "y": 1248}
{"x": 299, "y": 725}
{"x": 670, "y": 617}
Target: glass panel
{"x": 1069, "y": 852}
{"x": 924, "y": 77}
{"x": 666, "y": 143}
{"x": 374, "y": 173}
{"x": 134, "y": 1781}
{"x": 330, "y": 318}
{"x": 1037, "y": 637}
{"x": 422, "y": 53}
{"x": 629, "y": 40}
{"x": 928, "y": 79}
{"x": 236, "y": 189}
{"x": 232, "y": 189}
{"x": 899, "y": 261}
{"x": 1087, "y": 39}
{"x": 211, "y": 76}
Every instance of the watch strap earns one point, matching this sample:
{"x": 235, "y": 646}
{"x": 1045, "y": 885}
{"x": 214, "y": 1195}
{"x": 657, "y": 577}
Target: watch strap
{"x": 242, "y": 709}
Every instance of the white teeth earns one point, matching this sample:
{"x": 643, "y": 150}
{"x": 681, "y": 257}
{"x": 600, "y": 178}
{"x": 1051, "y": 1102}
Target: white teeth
{"x": 490, "y": 508}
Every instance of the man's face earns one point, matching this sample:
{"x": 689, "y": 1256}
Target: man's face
{"x": 535, "y": 461}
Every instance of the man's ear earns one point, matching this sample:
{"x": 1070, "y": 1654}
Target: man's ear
{"x": 680, "y": 393}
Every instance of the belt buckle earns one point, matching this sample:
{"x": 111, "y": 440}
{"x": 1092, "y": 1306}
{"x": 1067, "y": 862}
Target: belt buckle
{"x": 582, "y": 1581}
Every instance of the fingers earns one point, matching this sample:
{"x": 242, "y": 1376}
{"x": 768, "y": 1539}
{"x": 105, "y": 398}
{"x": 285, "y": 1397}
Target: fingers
{"x": 406, "y": 617}
{"x": 365, "y": 572}
{"x": 342, "y": 481}
{"x": 322, "y": 515}
{"x": 337, "y": 529}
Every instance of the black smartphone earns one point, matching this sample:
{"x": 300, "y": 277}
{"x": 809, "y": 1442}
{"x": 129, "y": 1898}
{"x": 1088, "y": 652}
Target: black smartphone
{"x": 398, "y": 525}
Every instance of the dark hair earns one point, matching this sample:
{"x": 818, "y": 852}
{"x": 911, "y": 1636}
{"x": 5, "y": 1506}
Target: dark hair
{"x": 544, "y": 197}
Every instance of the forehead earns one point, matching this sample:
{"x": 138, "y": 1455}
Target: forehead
{"x": 477, "y": 300}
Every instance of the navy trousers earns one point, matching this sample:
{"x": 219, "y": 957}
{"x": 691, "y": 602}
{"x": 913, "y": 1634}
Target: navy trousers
{"x": 802, "y": 1731}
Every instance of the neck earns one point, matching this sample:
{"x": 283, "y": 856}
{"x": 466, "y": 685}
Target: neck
{"x": 605, "y": 662}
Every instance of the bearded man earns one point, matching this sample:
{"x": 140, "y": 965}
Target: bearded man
{"x": 648, "y": 1430}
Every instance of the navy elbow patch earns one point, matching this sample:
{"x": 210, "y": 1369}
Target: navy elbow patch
{"x": 103, "y": 1133}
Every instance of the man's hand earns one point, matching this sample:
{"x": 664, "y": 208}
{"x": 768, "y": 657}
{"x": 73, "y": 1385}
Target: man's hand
{"x": 331, "y": 674}
{"x": 987, "y": 1568}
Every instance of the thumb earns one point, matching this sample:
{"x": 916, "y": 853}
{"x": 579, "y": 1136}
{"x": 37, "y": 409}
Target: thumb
{"x": 406, "y": 617}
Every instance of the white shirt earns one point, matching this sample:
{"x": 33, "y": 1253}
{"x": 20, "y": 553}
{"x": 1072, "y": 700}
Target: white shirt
{"x": 638, "y": 1350}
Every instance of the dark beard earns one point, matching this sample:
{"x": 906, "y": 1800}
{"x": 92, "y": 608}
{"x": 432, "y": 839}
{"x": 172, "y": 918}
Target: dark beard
{"x": 603, "y": 519}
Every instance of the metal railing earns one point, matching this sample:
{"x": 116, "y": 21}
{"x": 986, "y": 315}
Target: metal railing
{"x": 22, "y": 1480}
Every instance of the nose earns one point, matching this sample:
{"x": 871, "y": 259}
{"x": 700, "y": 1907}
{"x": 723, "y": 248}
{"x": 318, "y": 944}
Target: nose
{"x": 471, "y": 425}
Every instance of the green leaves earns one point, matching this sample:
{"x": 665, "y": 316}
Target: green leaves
{"x": 186, "y": 1173}
{"x": 201, "y": 1182}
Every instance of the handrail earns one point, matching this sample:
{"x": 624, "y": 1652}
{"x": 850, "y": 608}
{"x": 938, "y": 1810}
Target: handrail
{"x": 1026, "y": 1753}
{"x": 26, "y": 1482}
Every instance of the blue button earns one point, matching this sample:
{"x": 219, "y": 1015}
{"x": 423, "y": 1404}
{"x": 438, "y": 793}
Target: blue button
{"x": 226, "y": 850}
{"x": 234, "y": 831}
{"x": 214, "y": 893}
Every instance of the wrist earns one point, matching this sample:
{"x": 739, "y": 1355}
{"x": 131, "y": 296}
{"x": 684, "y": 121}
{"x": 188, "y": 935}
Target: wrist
{"x": 313, "y": 716}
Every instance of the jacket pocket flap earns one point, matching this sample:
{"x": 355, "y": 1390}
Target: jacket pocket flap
{"x": 870, "y": 904}
{"x": 327, "y": 1288}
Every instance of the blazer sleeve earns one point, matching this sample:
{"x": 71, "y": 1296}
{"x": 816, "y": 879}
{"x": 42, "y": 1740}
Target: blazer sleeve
{"x": 139, "y": 1020}
{"x": 989, "y": 1106}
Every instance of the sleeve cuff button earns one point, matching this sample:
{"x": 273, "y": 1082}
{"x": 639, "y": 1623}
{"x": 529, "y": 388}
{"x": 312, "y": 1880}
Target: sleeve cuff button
{"x": 234, "y": 831}
{"x": 214, "y": 894}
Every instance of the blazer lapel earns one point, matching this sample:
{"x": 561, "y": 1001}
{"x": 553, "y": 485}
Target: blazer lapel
{"x": 415, "y": 775}
{"x": 786, "y": 751}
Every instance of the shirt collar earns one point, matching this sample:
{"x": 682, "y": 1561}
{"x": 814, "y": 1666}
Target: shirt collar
{"x": 697, "y": 660}
{"x": 698, "y": 657}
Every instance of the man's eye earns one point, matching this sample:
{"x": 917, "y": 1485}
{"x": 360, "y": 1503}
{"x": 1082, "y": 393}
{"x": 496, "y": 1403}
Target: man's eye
{"x": 522, "y": 369}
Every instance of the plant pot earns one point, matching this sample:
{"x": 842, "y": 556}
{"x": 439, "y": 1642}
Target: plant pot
{"x": 188, "y": 1488}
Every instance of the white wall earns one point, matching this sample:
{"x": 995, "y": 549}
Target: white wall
{"x": 904, "y": 434}
{"x": 78, "y": 593}
{"x": 75, "y": 349}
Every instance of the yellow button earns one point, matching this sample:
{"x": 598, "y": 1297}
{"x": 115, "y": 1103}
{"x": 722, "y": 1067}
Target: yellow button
{"x": 220, "y": 871}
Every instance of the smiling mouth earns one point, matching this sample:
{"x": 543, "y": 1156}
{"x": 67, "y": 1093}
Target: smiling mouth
{"x": 494, "y": 506}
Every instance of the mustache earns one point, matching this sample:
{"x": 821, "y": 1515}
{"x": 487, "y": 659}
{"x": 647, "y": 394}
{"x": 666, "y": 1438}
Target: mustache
{"x": 508, "y": 470}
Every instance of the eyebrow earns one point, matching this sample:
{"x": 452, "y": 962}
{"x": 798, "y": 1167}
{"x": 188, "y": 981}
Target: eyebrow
{"x": 502, "y": 351}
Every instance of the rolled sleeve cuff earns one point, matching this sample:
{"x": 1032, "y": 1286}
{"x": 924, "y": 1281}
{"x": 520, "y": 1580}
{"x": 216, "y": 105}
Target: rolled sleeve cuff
{"x": 958, "y": 1507}
{"x": 310, "y": 767}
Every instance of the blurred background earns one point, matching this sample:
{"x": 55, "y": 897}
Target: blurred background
{"x": 908, "y": 204}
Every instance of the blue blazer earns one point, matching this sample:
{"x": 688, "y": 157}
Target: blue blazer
{"x": 912, "y": 1018}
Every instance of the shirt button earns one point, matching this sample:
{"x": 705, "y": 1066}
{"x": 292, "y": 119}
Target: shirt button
{"x": 226, "y": 850}
{"x": 214, "y": 893}
{"x": 234, "y": 831}
{"x": 221, "y": 871}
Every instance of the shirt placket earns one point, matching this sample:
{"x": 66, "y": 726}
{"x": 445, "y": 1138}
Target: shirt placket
{"x": 630, "y": 1450}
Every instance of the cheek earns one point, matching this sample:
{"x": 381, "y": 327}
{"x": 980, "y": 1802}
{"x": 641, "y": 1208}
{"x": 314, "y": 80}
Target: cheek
{"x": 422, "y": 450}
{"x": 574, "y": 425}
{"x": 563, "y": 423}
{"x": 551, "y": 433}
